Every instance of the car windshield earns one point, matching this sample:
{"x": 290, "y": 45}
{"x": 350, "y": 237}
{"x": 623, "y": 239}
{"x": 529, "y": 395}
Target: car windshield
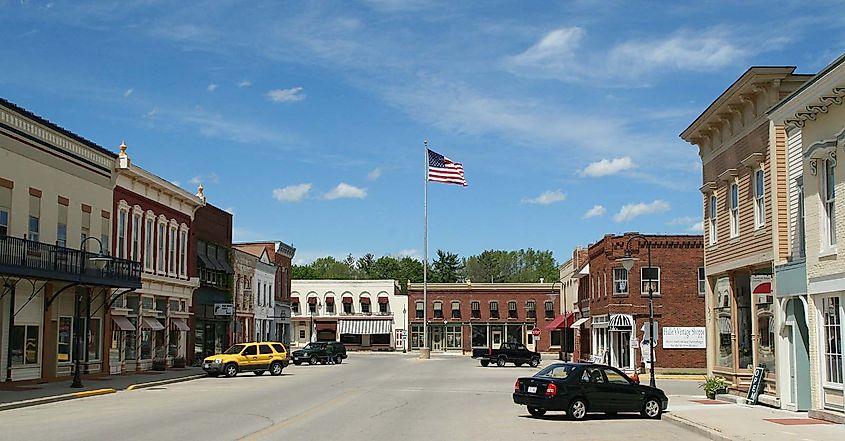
{"x": 236, "y": 349}
{"x": 315, "y": 346}
{"x": 557, "y": 371}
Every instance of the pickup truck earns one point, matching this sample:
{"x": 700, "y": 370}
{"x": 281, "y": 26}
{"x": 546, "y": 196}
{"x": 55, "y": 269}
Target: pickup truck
{"x": 515, "y": 353}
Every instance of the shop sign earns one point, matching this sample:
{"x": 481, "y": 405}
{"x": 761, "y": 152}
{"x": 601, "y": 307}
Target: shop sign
{"x": 224, "y": 309}
{"x": 684, "y": 337}
{"x": 756, "y": 386}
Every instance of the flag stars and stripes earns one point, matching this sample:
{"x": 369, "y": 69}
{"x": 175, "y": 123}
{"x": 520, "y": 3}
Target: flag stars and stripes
{"x": 442, "y": 169}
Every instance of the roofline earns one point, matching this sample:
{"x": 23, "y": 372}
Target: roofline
{"x": 545, "y": 286}
{"x": 41, "y": 120}
{"x": 833, "y": 65}
{"x": 743, "y": 77}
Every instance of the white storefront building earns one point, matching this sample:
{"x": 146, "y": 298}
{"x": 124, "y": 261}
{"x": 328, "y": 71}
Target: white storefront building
{"x": 264, "y": 286}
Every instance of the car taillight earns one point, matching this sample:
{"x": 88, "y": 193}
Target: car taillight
{"x": 551, "y": 390}
{"x": 516, "y": 386}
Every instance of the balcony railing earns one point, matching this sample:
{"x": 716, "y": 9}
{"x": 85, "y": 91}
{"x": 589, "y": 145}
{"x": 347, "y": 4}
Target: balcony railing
{"x": 26, "y": 258}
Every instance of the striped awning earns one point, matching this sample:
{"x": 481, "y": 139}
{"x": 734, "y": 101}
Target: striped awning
{"x": 364, "y": 327}
{"x": 622, "y": 321}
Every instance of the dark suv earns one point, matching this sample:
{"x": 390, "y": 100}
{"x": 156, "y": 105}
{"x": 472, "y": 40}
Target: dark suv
{"x": 320, "y": 352}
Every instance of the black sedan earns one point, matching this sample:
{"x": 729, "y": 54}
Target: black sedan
{"x": 579, "y": 388}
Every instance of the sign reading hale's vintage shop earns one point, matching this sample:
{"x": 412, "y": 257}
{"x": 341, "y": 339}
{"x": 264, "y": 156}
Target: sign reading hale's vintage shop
{"x": 684, "y": 337}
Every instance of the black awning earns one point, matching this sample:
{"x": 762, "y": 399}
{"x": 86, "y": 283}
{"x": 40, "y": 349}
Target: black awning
{"x": 208, "y": 263}
{"x": 224, "y": 266}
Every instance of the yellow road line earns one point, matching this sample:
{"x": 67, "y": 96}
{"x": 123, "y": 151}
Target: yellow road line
{"x": 263, "y": 433}
{"x": 94, "y": 393}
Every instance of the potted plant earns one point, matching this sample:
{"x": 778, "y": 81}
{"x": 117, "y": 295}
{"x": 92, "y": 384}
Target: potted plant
{"x": 712, "y": 385}
{"x": 179, "y": 362}
{"x": 159, "y": 364}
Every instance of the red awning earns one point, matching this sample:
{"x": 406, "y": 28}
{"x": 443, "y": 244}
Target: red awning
{"x": 312, "y": 300}
{"x": 558, "y": 322}
{"x": 347, "y": 300}
{"x": 294, "y": 300}
{"x": 329, "y": 300}
{"x": 326, "y": 326}
{"x": 383, "y": 300}
{"x": 763, "y": 288}
{"x": 365, "y": 300}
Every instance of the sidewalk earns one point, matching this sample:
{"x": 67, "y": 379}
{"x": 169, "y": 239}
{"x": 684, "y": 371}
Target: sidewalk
{"x": 720, "y": 420}
{"x": 14, "y": 395}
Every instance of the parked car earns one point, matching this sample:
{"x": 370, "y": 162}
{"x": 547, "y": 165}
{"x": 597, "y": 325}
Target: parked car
{"x": 320, "y": 352}
{"x": 515, "y": 353}
{"x": 581, "y": 388}
{"x": 257, "y": 357}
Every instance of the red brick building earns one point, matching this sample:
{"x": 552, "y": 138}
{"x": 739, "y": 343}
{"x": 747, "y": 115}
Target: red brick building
{"x": 462, "y": 316}
{"x": 281, "y": 255}
{"x": 614, "y": 303}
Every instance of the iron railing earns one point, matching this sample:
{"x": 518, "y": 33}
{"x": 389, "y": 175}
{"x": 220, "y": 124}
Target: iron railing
{"x": 27, "y": 258}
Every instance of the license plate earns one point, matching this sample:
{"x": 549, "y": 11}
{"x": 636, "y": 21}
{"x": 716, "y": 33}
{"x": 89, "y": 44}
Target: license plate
{"x": 532, "y": 389}
{"x": 206, "y": 365}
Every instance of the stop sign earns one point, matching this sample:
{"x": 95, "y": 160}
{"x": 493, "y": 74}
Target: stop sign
{"x": 535, "y": 332}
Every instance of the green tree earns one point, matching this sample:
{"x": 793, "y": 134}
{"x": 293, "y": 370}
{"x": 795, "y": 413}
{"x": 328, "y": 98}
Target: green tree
{"x": 331, "y": 268}
{"x": 409, "y": 269}
{"x": 364, "y": 264}
{"x": 385, "y": 267}
{"x": 303, "y": 272}
{"x": 446, "y": 268}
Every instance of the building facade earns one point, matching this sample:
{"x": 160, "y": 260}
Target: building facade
{"x": 570, "y": 306}
{"x": 745, "y": 211}
{"x": 811, "y": 274}
{"x": 362, "y": 314}
{"x": 265, "y": 306}
{"x": 213, "y": 331}
{"x": 244, "y": 301}
{"x": 281, "y": 256}
{"x": 462, "y": 316}
{"x": 619, "y": 303}
{"x": 55, "y": 206}
{"x": 152, "y": 226}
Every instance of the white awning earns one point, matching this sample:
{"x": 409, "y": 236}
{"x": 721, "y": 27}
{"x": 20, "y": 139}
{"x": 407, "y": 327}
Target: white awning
{"x": 622, "y": 322}
{"x": 579, "y": 322}
{"x": 584, "y": 271}
{"x": 364, "y": 327}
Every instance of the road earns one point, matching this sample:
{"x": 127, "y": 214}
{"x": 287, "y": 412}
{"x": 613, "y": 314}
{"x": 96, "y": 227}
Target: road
{"x": 368, "y": 397}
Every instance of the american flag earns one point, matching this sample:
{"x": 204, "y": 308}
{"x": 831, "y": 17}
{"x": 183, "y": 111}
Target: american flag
{"x": 442, "y": 169}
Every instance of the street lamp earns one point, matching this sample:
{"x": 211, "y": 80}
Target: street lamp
{"x": 628, "y": 263}
{"x": 564, "y": 352}
{"x": 100, "y": 261}
{"x": 311, "y": 312}
{"x": 405, "y": 330}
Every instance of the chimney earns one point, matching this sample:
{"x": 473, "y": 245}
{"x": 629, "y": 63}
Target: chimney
{"x": 123, "y": 160}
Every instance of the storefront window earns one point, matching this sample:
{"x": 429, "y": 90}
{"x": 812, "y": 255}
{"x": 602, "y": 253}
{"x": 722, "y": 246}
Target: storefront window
{"x": 380, "y": 339}
{"x": 724, "y": 323}
{"x": 146, "y": 344}
{"x": 129, "y": 340}
{"x": 132, "y": 304}
{"x": 479, "y": 336}
{"x": 93, "y": 340}
{"x": 514, "y": 334}
{"x": 416, "y": 336}
{"x": 350, "y": 339}
{"x": 453, "y": 337}
{"x": 744, "y": 318}
{"x": 832, "y": 340}
{"x": 65, "y": 340}
{"x": 766, "y": 332}
{"x": 24, "y": 344}
{"x": 556, "y": 338}
{"x": 173, "y": 347}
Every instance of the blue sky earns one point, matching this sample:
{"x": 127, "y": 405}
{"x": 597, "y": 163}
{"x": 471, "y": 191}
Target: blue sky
{"x": 306, "y": 119}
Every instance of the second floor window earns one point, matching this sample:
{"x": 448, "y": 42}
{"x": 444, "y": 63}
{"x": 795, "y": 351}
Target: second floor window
{"x": 121, "y": 234}
{"x": 650, "y": 278}
{"x": 148, "y": 244}
{"x": 365, "y": 305}
{"x": 329, "y": 305}
{"x": 160, "y": 251}
{"x": 550, "y": 310}
{"x": 702, "y": 283}
{"x": 712, "y": 215}
{"x": 456, "y": 309}
{"x": 734, "y": 214}
{"x": 5, "y": 210}
{"x": 494, "y": 309}
{"x": 531, "y": 309}
{"x": 347, "y": 307}
{"x": 136, "y": 238}
{"x": 759, "y": 193}
{"x": 172, "y": 254}
{"x": 512, "y": 310}
{"x": 620, "y": 281}
{"x": 476, "y": 309}
{"x": 61, "y": 226}
{"x": 420, "y": 310}
{"x": 183, "y": 253}
{"x": 382, "y": 307}
{"x": 438, "y": 310}
{"x": 829, "y": 203}
{"x": 294, "y": 307}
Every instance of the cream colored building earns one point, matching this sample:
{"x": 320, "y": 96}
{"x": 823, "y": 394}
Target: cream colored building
{"x": 55, "y": 193}
{"x": 814, "y": 117}
{"x": 569, "y": 278}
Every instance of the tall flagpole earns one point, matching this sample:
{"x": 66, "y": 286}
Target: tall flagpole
{"x": 425, "y": 352}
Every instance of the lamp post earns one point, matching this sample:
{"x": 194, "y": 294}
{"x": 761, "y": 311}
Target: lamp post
{"x": 100, "y": 261}
{"x": 312, "y": 311}
{"x": 564, "y": 352}
{"x": 405, "y": 329}
{"x": 628, "y": 263}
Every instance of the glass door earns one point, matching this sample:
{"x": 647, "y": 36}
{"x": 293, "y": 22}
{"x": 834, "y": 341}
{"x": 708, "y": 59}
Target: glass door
{"x": 436, "y": 338}
{"x": 497, "y": 339}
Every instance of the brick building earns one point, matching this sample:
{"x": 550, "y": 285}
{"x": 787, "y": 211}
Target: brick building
{"x": 613, "y": 303}
{"x": 462, "y": 316}
{"x": 281, "y": 256}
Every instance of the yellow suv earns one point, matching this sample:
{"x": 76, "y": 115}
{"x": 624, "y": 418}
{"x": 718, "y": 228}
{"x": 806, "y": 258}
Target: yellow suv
{"x": 256, "y": 357}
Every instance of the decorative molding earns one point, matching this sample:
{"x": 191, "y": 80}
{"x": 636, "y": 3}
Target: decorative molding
{"x": 753, "y": 160}
{"x": 708, "y": 187}
{"x": 728, "y": 175}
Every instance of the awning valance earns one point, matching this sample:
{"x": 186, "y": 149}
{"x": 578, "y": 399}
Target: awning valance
{"x": 312, "y": 300}
{"x": 294, "y": 300}
{"x": 152, "y": 324}
{"x": 383, "y": 300}
{"x": 179, "y": 324}
{"x": 365, "y": 300}
{"x": 347, "y": 300}
{"x": 578, "y": 323}
{"x": 123, "y": 323}
{"x": 364, "y": 327}
{"x": 326, "y": 326}
{"x": 622, "y": 322}
{"x": 561, "y": 322}
{"x": 329, "y": 300}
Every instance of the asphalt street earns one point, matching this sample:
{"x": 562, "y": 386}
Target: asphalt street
{"x": 368, "y": 397}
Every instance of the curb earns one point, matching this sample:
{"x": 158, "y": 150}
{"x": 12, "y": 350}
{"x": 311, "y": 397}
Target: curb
{"x": 163, "y": 382}
{"x": 707, "y": 432}
{"x": 55, "y": 399}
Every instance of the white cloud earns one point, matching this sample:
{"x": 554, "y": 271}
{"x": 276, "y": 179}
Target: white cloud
{"x": 245, "y": 83}
{"x": 286, "y": 95}
{"x": 607, "y": 167}
{"x": 196, "y": 180}
{"x": 630, "y": 211}
{"x": 212, "y": 87}
{"x": 213, "y": 178}
{"x": 546, "y": 198}
{"x": 596, "y": 211}
{"x": 292, "y": 193}
{"x": 128, "y": 92}
{"x": 375, "y": 174}
{"x": 152, "y": 114}
{"x": 684, "y": 51}
{"x": 697, "y": 227}
{"x": 345, "y": 191}
{"x": 410, "y": 252}
{"x": 683, "y": 220}
{"x": 555, "y": 51}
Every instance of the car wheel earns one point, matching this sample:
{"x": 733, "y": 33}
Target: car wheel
{"x": 231, "y": 370}
{"x": 276, "y": 368}
{"x": 501, "y": 362}
{"x": 536, "y": 412}
{"x": 338, "y": 359}
{"x": 518, "y": 364}
{"x": 312, "y": 360}
{"x": 485, "y": 363}
{"x": 651, "y": 409}
{"x": 534, "y": 362}
{"x": 577, "y": 409}
{"x": 259, "y": 373}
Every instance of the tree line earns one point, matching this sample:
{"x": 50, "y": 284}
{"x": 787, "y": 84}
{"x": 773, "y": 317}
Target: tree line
{"x": 498, "y": 266}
